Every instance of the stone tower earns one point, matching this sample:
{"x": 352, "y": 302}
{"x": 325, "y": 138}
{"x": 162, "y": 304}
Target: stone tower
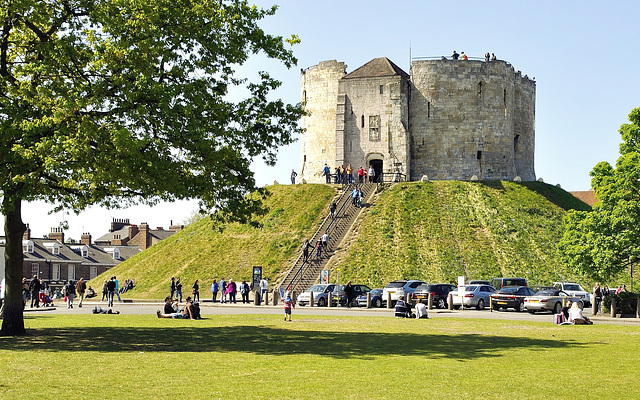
{"x": 447, "y": 120}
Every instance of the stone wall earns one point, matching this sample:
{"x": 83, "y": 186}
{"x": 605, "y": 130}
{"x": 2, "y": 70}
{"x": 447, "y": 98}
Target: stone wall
{"x": 464, "y": 117}
{"x": 319, "y": 93}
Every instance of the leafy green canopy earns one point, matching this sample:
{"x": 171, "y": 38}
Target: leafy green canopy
{"x": 605, "y": 241}
{"x": 108, "y": 102}
{"x": 111, "y": 102}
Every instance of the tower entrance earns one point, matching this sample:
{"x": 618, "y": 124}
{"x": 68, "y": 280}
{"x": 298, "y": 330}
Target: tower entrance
{"x": 377, "y": 167}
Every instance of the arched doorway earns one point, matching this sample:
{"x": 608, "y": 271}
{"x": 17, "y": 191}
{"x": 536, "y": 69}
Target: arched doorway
{"x": 377, "y": 167}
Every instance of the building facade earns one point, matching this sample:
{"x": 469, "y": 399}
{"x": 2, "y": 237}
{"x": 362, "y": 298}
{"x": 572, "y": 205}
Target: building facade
{"x": 447, "y": 119}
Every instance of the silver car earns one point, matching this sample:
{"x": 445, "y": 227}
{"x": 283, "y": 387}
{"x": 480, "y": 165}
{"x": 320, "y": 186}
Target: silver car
{"x": 474, "y": 296}
{"x": 320, "y": 295}
{"x": 549, "y": 300}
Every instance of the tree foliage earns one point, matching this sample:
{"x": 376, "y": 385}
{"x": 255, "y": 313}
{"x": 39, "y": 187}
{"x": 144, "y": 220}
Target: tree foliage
{"x": 115, "y": 102}
{"x": 602, "y": 243}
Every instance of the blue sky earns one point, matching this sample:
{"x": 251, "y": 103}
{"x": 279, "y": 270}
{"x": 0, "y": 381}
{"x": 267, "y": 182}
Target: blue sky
{"x": 583, "y": 54}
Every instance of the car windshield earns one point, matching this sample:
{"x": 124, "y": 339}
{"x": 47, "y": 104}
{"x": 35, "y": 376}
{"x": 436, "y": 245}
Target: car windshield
{"x": 376, "y": 291}
{"x": 573, "y": 286}
{"x": 396, "y": 284}
{"x": 423, "y": 287}
{"x": 317, "y": 288}
{"x": 509, "y": 290}
{"x": 547, "y": 293}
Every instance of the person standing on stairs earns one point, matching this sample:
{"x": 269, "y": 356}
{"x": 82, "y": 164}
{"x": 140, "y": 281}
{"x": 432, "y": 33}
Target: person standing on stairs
{"x": 332, "y": 208}
{"x": 325, "y": 240}
{"x": 305, "y": 250}
{"x": 318, "y": 249}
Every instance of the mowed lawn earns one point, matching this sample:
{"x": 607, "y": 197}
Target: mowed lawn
{"x": 261, "y": 356}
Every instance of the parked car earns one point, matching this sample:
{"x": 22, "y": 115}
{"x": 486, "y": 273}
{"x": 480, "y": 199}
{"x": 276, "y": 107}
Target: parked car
{"x": 339, "y": 296}
{"x": 477, "y": 296}
{"x": 511, "y": 297}
{"x": 573, "y": 289}
{"x": 320, "y": 295}
{"x": 400, "y": 288}
{"x": 499, "y": 283}
{"x": 376, "y": 298}
{"x": 439, "y": 293}
{"x": 549, "y": 300}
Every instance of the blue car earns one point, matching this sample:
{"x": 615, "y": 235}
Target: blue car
{"x": 376, "y": 298}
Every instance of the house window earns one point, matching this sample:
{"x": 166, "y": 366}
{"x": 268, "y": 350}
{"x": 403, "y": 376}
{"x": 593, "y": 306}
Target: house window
{"x": 374, "y": 128}
{"x": 27, "y": 246}
{"x": 35, "y": 270}
{"x": 381, "y": 89}
{"x": 84, "y": 252}
{"x": 116, "y": 253}
{"x": 55, "y": 272}
{"x": 71, "y": 272}
{"x": 93, "y": 272}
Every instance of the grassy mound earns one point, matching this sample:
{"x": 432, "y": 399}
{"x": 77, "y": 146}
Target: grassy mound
{"x": 434, "y": 231}
{"x": 201, "y": 252}
{"x": 440, "y": 230}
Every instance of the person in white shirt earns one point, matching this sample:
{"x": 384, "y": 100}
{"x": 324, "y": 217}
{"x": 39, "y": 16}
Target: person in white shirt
{"x": 421, "y": 311}
{"x": 264, "y": 285}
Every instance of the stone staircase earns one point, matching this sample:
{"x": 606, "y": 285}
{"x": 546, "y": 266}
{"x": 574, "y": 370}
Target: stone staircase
{"x": 303, "y": 273}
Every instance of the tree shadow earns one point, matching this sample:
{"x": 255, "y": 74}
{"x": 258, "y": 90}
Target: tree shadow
{"x": 275, "y": 341}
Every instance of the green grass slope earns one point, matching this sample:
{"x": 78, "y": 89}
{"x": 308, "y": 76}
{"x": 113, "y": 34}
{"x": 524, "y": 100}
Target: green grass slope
{"x": 440, "y": 230}
{"x": 201, "y": 252}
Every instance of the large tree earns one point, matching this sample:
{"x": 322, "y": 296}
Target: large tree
{"x": 604, "y": 242}
{"x": 113, "y": 102}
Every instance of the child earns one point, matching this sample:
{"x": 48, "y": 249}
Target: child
{"x": 288, "y": 303}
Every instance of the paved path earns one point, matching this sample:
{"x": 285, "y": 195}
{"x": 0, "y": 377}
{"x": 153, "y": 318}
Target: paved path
{"x": 226, "y": 309}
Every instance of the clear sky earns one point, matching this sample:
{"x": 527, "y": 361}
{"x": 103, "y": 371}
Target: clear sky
{"x": 584, "y": 56}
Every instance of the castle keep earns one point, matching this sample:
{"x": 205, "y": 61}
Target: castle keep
{"x": 447, "y": 119}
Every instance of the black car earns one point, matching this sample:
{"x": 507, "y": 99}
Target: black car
{"x": 341, "y": 298}
{"x": 511, "y": 297}
{"x": 439, "y": 293}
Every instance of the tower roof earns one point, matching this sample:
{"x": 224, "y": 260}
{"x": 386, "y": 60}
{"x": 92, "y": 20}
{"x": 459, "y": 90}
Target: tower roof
{"x": 378, "y": 67}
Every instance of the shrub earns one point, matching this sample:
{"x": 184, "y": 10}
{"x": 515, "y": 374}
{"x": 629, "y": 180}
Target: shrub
{"x": 627, "y": 303}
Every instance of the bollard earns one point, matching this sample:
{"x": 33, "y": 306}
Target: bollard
{"x": 564, "y": 302}
{"x": 294, "y": 296}
{"x": 594, "y": 307}
{"x": 266, "y": 298}
{"x": 389, "y": 305}
{"x": 614, "y": 303}
{"x": 311, "y": 299}
{"x": 276, "y": 294}
{"x": 408, "y": 301}
{"x": 368, "y": 300}
{"x": 256, "y": 298}
{"x": 329, "y": 298}
{"x": 449, "y": 301}
{"x": 638, "y": 308}
{"x": 490, "y": 304}
{"x": 430, "y": 302}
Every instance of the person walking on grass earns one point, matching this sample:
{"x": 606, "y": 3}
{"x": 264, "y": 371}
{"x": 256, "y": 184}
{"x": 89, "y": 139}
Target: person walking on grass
{"x": 172, "y": 286}
{"x": 81, "y": 287}
{"x": 111, "y": 289}
{"x": 179, "y": 290}
{"x": 288, "y": 304}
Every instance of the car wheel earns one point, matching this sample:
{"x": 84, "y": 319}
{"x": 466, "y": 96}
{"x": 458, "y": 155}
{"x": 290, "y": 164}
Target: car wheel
{"x": 520, "y": 306}
{"x": 581, "y": 305}
{"x": 456, "y": 307}
{"x": 322, "y": 302}
{"x": 531, "y": 311}
{"x": 377, "y": 303}
{"x": 480, "y": 305}
{"x": 442, "y": 303}
{"x": 557, "y": 309}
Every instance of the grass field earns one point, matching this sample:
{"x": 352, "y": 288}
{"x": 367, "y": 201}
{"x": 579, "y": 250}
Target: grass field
{"x": 261, "y": 356}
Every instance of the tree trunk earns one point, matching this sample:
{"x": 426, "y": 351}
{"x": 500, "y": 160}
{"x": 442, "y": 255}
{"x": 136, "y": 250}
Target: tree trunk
{"x": 13, "y": 322}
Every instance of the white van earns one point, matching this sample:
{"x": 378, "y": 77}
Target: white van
{"x": 574, "y": 289}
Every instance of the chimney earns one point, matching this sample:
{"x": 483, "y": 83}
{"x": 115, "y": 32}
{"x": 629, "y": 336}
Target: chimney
{"x": 133, "y": 231}
{"x": 118, "y": 223}
{"x": 119, "y": 241}
{"x": 144, "y": 232}
{"x": 57, "y": 234}
{"x": 86, "y": 238}
{"x": 27, "y": 233}
{"x": 175, "y": 228}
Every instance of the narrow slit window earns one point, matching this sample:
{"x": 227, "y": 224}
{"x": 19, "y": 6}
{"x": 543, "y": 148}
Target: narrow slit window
{"x": 362, "y": 122}
{"x": 479, "y": 155}
{"x": 428, "y": 109}
{"x": 381, "y": 89}
{"x": 480, "y": 89}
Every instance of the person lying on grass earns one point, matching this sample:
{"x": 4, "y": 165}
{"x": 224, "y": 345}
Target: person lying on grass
{"x": 187, "y": 312}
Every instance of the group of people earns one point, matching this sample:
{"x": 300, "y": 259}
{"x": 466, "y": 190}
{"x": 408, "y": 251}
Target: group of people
{"x": 172, "y": 309}
{"x": 462, "y": 56}
{"x": 345, "y": 175}
{"x": 600, "y": 293}
{"x": 111, "y": 289}
{"x": 572, "y": 314}
{"x": 321, "y": 244}
{"x": 226, "y": 290}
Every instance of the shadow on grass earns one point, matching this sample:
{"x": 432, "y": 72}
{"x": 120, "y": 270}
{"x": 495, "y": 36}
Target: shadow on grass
{"x": 275, "y": 341}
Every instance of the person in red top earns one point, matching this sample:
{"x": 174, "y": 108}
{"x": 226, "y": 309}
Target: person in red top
{"x": 288, "y": 304}
{"x": 361, "y": 174}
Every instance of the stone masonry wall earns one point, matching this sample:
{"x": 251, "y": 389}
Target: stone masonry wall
{"x": 380, "y": 101}
{"x": 319, "y": 93}
{"x": 463, "y": 117}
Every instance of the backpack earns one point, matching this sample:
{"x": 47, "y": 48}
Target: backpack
{"x": 195, "y": 309}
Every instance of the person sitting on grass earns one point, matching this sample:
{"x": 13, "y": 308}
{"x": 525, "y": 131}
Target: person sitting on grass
{"x": 187, "y": 312}
{"x": 403, "y": 310}
{"x": 99, "y": 310}
{"x": 90, "y": 293}
{"x": 421, "y": 311}
{"x": 576, "y": 317}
